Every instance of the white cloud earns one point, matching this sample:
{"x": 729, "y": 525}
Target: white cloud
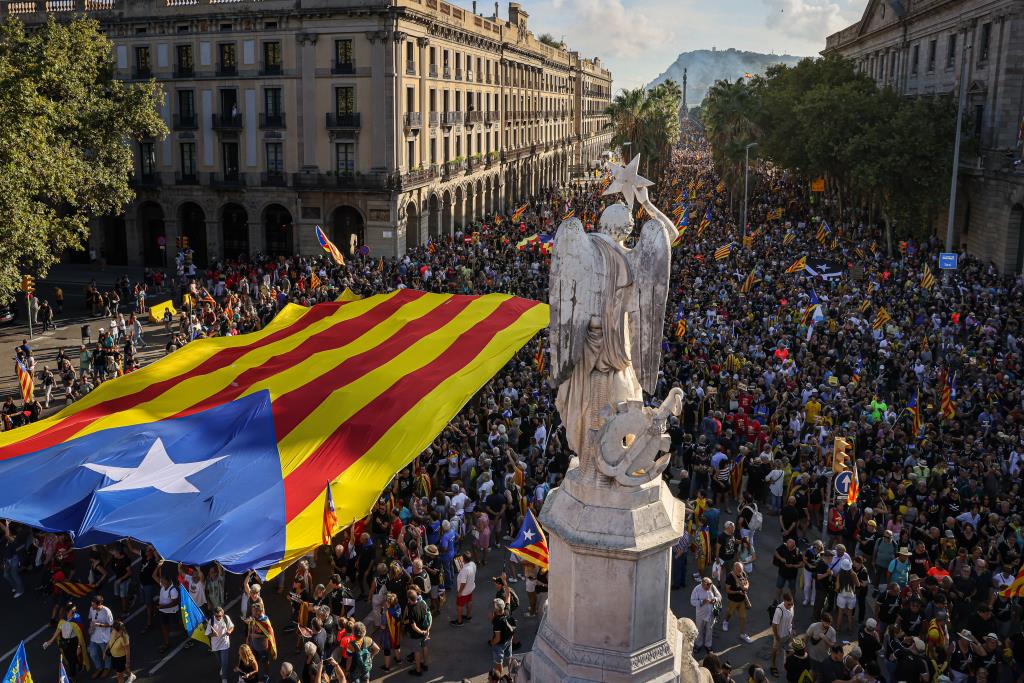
{"x": 805, "y": 19}
{"x": 607, "y": 29}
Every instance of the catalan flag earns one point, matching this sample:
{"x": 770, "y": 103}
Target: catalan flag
{"x": 858, "y": 370}
{"x": 946, "y": 398}
{"x": 787, "y": 238}
{"x": 192, "y": 618}
{"x": 75, "y": 589}
{"x": 704, "y": 222}
{"x": 328, "y": 246}
{"x": 529, "y": 543}
{"x": 823, "y": 232}
{"x": 854, "y": 492}
{"x": 723, "y": 252}
{"x": 798, "y": 265}
{"x": 927, "y": 278}
{"x": 28, "y": 386}
{"x": 680, "y": 323}
{"x": 571, "y": 213}
{"x": 18, "y": 671}
{"x": 748, "y": 283}
{"x": 330, "y": 517}
{"x": 808, "y": 314}
{"x": 881, "y": 318}
{"x": 230, "y": 429}
{"x": 914, "y": 408}
{"x": 720, "y": 187}
{"x": 1015, "y": 589}
{"x": 314, "y": 281}
{"x": 538, "y": 358}
{"x": 704, "y": 548}
{"x": 518, "y": 213}
{"x": 748, "y": 241}
{"x": 864, "y": 306}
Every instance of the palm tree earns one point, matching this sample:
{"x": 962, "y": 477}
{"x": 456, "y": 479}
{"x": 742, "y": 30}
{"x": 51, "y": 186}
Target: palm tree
{"x": 728, "y": 117}
{"x": 648, "y": 121}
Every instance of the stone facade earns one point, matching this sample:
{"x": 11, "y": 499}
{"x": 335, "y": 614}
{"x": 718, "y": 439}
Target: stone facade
{"x": 917, "y": 48}
{"x": 386, "y": 122}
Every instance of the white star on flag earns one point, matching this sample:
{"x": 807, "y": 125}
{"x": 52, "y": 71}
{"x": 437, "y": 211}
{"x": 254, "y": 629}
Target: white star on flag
{"x": 528, "y": 535}
{"x": 627, "y": 180}
{"x": 156, "y": 470}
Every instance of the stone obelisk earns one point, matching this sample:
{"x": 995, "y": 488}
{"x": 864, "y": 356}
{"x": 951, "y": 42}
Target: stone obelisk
{"x": 612, "y": 523}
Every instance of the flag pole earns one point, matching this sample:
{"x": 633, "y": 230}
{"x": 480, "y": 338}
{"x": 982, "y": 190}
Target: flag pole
{"x": 951, "y": 217}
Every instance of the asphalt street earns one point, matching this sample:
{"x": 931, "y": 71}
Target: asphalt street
{"x": 457, "y": 654}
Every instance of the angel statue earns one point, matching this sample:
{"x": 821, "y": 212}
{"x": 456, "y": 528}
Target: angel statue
{"x": 607, "y": 315}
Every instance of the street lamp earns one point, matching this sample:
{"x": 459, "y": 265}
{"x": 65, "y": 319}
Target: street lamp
{"x": 746, "y": 180}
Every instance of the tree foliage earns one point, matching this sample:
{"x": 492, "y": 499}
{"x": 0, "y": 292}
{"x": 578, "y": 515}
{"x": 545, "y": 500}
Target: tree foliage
{"x": 820, "y": 118}
{"x": 65, "y": 128}
{"x": 649, "y": 121}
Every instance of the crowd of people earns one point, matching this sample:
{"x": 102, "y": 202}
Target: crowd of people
{"x": 775, "y": 364}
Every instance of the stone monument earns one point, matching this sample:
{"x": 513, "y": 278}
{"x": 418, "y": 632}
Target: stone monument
{"x": 612, "y": 522}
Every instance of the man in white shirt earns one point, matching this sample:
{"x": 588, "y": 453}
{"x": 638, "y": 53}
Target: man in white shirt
{"x": 705, "y": 598}
{"x": 100, "y": 621}
{"x": 466, "y": 583}
{"x": 782, "y": 628}
{"x": 459, "y": 500}
{"x": 219, "y": 630}
{"x": 167, "y": 606}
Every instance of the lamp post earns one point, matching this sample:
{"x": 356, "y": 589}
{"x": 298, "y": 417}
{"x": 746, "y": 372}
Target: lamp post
{"x": 746, "y": 180}
{"x": 951, "y": 217}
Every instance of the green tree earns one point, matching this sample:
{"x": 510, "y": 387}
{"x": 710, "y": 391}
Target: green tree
{"x": 728, "y": 113}
{"x": 65, "y": 128}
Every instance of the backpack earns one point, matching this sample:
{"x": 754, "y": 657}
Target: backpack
{"x": 513, "y": 600}
{"x": 771, "y": 611}
{"x": 756, "y": 518}
{"x": 362, "y": 661}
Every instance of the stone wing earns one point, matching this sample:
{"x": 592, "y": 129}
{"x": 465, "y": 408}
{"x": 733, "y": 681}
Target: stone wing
{"x": 574, "y": 295}
{"x": 652, "y": 268}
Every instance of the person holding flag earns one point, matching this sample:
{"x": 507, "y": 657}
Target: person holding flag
{"x": 530, "y": 543}
{"x": 70, "y": 638}
{"x": 330, "y": 517}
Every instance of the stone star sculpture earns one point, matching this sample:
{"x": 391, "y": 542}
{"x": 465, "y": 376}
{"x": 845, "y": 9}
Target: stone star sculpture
{"x": 627, "y": 180}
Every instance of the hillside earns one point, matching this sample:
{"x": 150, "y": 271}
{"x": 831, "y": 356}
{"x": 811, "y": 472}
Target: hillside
{"x": 704, "y": 67}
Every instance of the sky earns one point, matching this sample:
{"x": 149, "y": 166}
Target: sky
{"x": 638, "y": 40}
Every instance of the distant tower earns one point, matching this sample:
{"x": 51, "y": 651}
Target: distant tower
{"x": 684, "y": 112}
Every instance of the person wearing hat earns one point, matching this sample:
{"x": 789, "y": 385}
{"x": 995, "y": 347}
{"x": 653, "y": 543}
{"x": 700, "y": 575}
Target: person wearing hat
{"x": 962, "y": 655}
{"x": 883, "y": 554}
{"x": 846, "y": 586}
{"x": 870, "y": 642}
{"x": 434, "y": 568}
{"x": 797, "y": 662}
{"x": 899, "y": 568}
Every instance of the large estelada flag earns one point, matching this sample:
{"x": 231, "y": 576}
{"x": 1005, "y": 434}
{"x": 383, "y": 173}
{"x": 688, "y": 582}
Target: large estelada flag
{"x": 220, "y": 450}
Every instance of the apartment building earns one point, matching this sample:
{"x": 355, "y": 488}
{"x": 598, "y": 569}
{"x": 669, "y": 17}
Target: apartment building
{"x": 917, "y": 47}
{"x": 387, "y": 122}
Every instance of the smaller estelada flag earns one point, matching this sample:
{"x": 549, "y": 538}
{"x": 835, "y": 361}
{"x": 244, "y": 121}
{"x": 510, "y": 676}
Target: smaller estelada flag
{"x": 529, "y": 543}
{"x": 854, "y": 492}
{"x": 25, "y": 381}
{"x": 881, "y": 318}
{"x": 798, "y": 265}
{"x": 330, "y": 517}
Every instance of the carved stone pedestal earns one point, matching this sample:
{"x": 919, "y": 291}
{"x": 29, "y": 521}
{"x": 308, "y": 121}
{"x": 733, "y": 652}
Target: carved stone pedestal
{"x": 607, "y": 617}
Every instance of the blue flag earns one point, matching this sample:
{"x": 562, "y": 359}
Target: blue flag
{"x": 62, "y": 676}
{"x": 18, "y": 671}
{"x": 192, "y": 618}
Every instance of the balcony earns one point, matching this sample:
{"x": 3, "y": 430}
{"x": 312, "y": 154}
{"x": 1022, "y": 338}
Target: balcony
{"x": 491, "y": 117}
{"x": 185, "y": 122}
{"x": 227, "y": 179}
{"x": 272, "y": 69}
{"x": 412, "y": 119}
{"x": 452, "y": 118}
{"x": 487, "y": 79}
{"x": 142, "y": 73}
{"x": 348, "y": 181}
{"x": 227, "y": 69}
{"x": 270, "y": 121}
{"x": 146, "y": 180}
{"x": 469, "y": 75}
{"x": 435, "y": 119}
{"x": 186, "y": 178}
{"x": 433, "y": 71}
{"x": 475, "y": 117}
{"x": 474, "y": 162}
{"x": 418, "y": 177}
{"x": 184, "y": 71}
{"x": 343, "y": 68}
{"x": 273, "y": 179}
{"x": 410, "y": 67}
{"x": 458, "y": 74}
{"x": 343, "y": 121}
{"x": 447, "y": 72}
{"x": 453, "y": 167}
{"x": 227, "y": 122}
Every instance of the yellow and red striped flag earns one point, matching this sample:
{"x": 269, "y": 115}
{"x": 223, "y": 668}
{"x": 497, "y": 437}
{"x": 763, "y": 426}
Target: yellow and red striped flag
{"x": 518, "y": 213}
{"x": 529, "y": 543}
{"x": 748, "y": 283}
{"x": 538, "y": 358}
{"x": 854, "y": 493}
{"x": 314, "y": 281}
{"x": 25, "y": 381}
{"x": 881, "y": 318}
{"x": 927, "y": 278}
{"x": 723, "y": 251}
{"x": 330, "y": 517}
{"x": 1015, "y": 589}
{"x": 798, "y": 265}
{"x": 347, "y": 393}
{"x": 75, "y": 589}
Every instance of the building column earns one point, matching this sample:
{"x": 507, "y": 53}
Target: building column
{"x": 396, "y": 107}
{"x": 380, "y": 118}
{"x": 437, "y": 218}
{"x": 171, "y": 233}
{"x": 133, "y": 240}
{"x": 307, "y": 97}
{"x": 422, "y": 44}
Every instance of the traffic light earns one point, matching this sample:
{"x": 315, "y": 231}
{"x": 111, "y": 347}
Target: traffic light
{"x": 841, "y": 455}
{"x": 184, "y": 242}
{"x": 28, "y": 284}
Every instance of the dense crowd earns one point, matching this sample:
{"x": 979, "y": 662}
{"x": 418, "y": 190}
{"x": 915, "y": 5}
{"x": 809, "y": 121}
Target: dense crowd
{"x": 774, "y": 366}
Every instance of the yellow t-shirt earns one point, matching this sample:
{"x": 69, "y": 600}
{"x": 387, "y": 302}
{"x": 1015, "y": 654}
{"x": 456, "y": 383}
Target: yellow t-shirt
{"x": 118, "y": 645}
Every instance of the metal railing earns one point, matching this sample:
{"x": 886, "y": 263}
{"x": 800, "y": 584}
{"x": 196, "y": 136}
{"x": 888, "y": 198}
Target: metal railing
{"x": 185, "y": 122}
{"x": 452, "y": 118}
{"x": 343, "y": 120}
{"x": 276, "y": 120}
{"x": 343, "y": 68}
{"x": 274, "y": 179}
{"x": 227, "y": 121}
{"x": 413, "y": 119}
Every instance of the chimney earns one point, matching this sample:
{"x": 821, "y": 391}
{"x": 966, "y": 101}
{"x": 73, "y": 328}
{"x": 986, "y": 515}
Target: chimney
{"x": 517, "y": 16}
{"x": 474, "y": 6}
{"x": 495, "y": 11}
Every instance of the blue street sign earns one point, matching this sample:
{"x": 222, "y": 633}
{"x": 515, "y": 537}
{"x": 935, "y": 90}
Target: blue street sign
{"x": 947, "y": 261}
{"x": 842, "y": 482}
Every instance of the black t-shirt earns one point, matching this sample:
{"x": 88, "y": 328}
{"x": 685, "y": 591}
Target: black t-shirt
{"x": 417, "y": 614}
{"x": 888, "y": 607}
{"x": 788, "y": 557}
{"x": 909, "y": 667}
{"x": 790, "y": 516}
{"x": 823, "y": 578}
{"x": 831, "y": 670}
{"x": 146, "y": 573}
{"x": 911, "y": 621}
{"x": 727, "y": 546}
{"x": 732, "y": 583}
{"x": 501, "y": 625}
{"x": 495, "y": 502}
